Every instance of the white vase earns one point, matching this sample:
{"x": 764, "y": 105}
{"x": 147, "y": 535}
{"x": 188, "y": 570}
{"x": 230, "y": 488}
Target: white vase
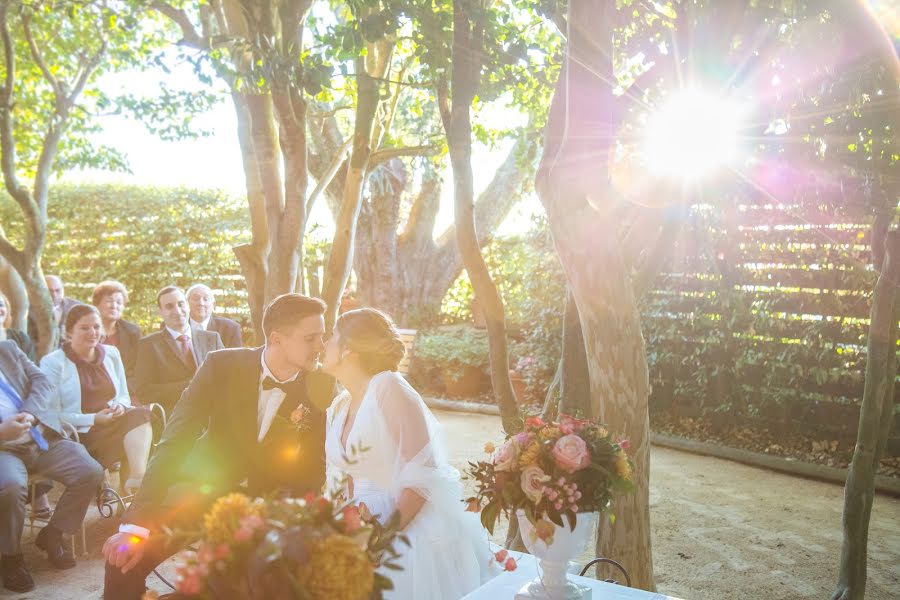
{"x": 553, "y": 583}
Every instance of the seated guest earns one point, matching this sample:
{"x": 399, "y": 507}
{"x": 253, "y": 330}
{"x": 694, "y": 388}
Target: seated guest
{"x": 61, "y": 308}
{"x": 92, "y": 395}
{"x": 202, "y": 304}
{"x": 110, "y": 298}
{"x": 17, "y": 336}
{"x": 32, "y": 441}
{"x": 167, "y": 359}
{"x": 41, "y": 506}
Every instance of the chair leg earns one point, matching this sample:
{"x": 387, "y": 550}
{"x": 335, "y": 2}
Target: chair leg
{"x": 32, "y": 488}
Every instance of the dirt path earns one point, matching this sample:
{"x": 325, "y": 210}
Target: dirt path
{"x": 720, "y": 530}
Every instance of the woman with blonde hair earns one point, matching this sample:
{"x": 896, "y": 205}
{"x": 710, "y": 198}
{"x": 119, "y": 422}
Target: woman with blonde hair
{"x": 385, "y": 443}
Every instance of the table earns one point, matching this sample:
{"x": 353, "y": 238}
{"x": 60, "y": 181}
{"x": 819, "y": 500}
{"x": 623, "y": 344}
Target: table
{"x": 505, "y": 585}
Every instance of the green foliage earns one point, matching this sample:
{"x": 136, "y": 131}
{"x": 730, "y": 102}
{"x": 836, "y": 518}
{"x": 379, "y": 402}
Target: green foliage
{"x": 146, "y": 238}
{"x": 73, "y": 38}
{"x": 453, "y": 350}
{"x": 533, "y": 288}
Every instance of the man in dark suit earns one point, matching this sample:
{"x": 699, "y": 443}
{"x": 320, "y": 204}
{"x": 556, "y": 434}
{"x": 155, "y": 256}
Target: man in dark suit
{"x": 168, "y": 359}
{"x": 32, "y": 441}
{"x": 232, "y": 425}
{"x": 202, "y": 303}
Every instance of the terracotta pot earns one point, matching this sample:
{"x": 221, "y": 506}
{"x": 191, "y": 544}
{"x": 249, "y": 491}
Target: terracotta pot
{"x": 519, "y": 387}
{"x": 465, "y": 386}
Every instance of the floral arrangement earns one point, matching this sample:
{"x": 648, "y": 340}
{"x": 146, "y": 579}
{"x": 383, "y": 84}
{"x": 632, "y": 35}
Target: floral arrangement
{"x": 551, "y": 469}
{"x": 311, "y": 548}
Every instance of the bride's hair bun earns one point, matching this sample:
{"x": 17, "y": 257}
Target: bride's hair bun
{"x": 372, "y": 335}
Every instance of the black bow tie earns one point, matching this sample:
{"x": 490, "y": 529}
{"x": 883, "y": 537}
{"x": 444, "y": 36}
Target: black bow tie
{"x": 287, "y": 387}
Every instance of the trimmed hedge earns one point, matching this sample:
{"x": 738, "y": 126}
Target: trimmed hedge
{"x": 146, "y": 238}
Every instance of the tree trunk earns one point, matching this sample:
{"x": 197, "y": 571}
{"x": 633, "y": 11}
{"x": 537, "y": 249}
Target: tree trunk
{"x": 875, "y": 419}
{"x": 468, "y": 38}
{"x": 14, "y": 289}
{"x": 251, "y": 256}
{"x": 340, "y": 259}
{"x": 408, "y": 272}
{"x": 572, "y": 183}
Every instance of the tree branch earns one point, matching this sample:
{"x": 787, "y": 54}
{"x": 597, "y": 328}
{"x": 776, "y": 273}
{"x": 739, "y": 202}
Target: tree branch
{"x": 328, "y": 175}
{"x": 39, "y": 58}
{"x": 13, "y": 255}
{"x": 386, "y": 154}
{"x": 7, "y": 142}
{"x": 190, "y": 36}
{"x": 655, "y": 257}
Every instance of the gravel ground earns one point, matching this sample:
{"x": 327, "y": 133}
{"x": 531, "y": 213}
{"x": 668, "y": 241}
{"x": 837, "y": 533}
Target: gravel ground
{"x": 721, "y": 530}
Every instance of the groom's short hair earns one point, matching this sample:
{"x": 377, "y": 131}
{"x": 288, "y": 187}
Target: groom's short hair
{"x": 288, "y": 310}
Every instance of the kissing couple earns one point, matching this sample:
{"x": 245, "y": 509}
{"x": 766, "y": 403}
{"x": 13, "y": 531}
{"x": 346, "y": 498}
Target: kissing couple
{"x": 232, "y": 427}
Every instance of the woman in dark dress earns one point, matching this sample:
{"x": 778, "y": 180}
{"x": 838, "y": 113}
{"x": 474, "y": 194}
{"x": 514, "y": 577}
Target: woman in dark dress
{"x": 110, "y": 298}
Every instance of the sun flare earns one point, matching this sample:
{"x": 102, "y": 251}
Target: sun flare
{"x": 691, "y": 135}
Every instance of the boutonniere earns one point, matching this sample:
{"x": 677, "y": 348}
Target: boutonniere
{"x": 299, "y": 419}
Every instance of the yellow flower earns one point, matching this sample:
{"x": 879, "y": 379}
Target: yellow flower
{"x": 489, "y": 448}
{"x": 550, "y": 433}
{"x": 623, "y": 467}
{"x": 530, "y": 454}
{"x": 338, "y": 569}
{"x": 224, "y": 518}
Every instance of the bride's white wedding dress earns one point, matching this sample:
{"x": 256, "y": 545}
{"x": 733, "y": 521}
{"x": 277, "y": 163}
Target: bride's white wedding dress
{"x": 448, "y": 555}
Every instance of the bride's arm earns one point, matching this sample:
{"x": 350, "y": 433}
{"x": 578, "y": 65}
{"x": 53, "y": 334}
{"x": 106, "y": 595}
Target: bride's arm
{"x": 408, "y": 505}
{"x": 409, "y": 431}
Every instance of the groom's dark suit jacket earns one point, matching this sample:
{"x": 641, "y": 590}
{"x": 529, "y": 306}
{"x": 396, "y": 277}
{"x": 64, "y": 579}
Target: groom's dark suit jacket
{"x": 222, "y": 399}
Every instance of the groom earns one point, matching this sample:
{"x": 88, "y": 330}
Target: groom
{"x": 232, "y": 425}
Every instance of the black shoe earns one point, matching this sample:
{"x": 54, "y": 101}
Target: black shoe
{"x": 50, "y": 540}
{"x": 15, "y": 576}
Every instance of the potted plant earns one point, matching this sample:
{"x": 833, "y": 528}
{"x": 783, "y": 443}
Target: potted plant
{"x": 462, "y": 356}
{"x": 556, "y": 477}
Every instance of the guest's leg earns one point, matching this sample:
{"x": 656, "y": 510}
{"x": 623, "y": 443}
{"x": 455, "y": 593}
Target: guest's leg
{"x": 70, "y": 464}
{"x": 13, "y": 494}
{"x": 137, "y": 450}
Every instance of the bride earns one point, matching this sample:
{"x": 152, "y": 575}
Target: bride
{"x": 386, "y": 443}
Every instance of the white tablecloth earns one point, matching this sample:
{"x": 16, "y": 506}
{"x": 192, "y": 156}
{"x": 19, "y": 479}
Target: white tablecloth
{"x": 506, "y": 585}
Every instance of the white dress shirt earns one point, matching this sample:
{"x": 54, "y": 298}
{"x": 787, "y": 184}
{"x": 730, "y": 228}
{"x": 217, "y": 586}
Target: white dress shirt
{"x": 269, "y": 400}
{"x": 204, "y": 324}
{"x": 8, "y": 410}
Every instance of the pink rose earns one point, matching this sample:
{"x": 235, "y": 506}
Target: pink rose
{"x": 507, "y": 456}
{"x": 352, "y": 519}
{"x": 571, "y": 453}
{"x": 510, "y": 564}
{"x": 533, "y": 480}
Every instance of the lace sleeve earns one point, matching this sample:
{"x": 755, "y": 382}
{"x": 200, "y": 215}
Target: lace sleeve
{"x": 421, "y": 460}
{"x": 335, "y": 479}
